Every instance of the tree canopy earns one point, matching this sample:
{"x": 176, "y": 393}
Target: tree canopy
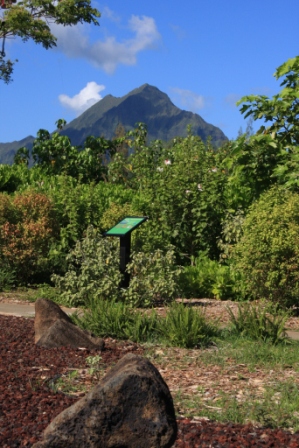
{"x": 282, "y": 110}
{"x": 272, "y": 154}
{"x": 31, "y": 19}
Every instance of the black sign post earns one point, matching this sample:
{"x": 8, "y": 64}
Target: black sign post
{"x": 123, "y": 230}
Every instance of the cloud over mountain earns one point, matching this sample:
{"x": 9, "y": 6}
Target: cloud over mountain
{"x": 188, "y": 99}
{"x": 86, "y": 98}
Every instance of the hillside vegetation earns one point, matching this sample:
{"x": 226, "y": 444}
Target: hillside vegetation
{"x": 223, "y": 222}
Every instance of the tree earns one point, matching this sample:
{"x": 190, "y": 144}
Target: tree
{"x": 31, "y": 19}
{"x": 272, "y": 154}
{"x": 282, "y": 110}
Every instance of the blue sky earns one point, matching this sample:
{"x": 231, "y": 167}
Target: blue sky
{"x": 204, "y": 55}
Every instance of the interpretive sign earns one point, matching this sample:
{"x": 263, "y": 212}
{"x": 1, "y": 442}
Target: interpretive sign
{"x": 123, "y": 230}
{"x": 126, "y": 226}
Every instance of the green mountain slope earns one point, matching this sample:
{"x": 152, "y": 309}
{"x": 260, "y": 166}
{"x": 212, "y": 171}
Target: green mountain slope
{"x": 8, "y": 150}
{"x": 145, "y": 104}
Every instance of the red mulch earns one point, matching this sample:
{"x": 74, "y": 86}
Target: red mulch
{"x": 28, "y": 404}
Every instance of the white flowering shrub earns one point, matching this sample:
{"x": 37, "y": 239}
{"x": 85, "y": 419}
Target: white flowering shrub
{"x": 154, "y": 278}
{"x": 93, "y": 271}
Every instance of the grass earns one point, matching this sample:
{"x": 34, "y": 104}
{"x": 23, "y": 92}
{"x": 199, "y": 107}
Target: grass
{"x": 236, "y": 380}
{"x": 233, "y": 374}
{"x": 273, "y": 406}
{"x": 262, "y": 321}
{"x": 186, "y": 327}
{"x": 254, "y": 354}
{"x": 69, "y": 383}
{"x": 31, "y": 293}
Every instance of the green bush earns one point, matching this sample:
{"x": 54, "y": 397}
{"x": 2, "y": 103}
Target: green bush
{"x": 93, "y": 271}
{"x": 153, "y": 278}
{"x": 12, "y": 177}
{"x": 209, "y": 279}
{"x": 267, "y": 254}
{"x": 7, "y": 277}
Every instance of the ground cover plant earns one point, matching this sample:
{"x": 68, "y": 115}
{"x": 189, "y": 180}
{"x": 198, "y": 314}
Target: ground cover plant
{"x": 236, "y": 381}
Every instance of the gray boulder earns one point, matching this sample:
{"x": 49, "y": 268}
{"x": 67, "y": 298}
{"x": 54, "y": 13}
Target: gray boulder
{"x": 130, "y": 408}
{"x": 54, "y": 328}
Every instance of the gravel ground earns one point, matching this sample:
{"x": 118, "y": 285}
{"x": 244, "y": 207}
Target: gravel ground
{"x": 29, "y": 401}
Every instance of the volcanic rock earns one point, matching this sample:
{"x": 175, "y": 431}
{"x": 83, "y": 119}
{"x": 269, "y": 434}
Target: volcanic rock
{"x": 54, "y": 328}
{"x": 130, "y": 408}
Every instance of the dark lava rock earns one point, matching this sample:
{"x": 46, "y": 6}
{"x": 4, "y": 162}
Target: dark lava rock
{"x": 131, "y": 407}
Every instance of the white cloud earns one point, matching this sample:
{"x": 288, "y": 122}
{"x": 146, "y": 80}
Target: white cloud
{"x": 188, "y": 99}
{"x": 261, "y": 91}
{"x": 108, "y": 53}
{"x": 86, "y": 98}
{"x": 231, "y": 99}
{"x": 107, "y": 13}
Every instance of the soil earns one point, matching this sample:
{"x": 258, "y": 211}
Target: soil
{"x": 30, "y": 398}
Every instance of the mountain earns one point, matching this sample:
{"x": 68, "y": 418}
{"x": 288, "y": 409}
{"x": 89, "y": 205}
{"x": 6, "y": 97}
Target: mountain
{"x": 8, "y": 150}
{"x": 146, "y": 104}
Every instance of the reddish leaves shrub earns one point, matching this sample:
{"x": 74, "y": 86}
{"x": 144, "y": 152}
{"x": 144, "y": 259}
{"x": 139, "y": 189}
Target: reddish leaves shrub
{"x": 28, "y": 227}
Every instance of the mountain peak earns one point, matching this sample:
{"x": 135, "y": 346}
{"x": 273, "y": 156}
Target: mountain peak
{"x": 146, "y": 104}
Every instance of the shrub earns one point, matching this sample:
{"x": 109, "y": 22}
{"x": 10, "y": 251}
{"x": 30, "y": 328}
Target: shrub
{"x": 232, "y": 230}
{"x": 12, "y": 177}
{"x": 267, "y": 255}
{"x": 92, "y": 273}
{"x": 7, "y": 277}
{"x": 27, "y": 234}
{"x": 154, "y": 278}
{"x": 210, "y": 279}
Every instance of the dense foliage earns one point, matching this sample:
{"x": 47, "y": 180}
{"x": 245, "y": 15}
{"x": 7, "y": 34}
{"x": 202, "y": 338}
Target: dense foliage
{"x": 222, "y": 222}
{"x": 268, "y": 252}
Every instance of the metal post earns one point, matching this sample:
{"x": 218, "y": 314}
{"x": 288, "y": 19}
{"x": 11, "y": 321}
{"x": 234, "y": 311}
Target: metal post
{"x": 125, "y": 252}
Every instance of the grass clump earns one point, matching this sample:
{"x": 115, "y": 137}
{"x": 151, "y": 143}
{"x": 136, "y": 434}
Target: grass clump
{"x": 182, "y": 326}
{"x": 186, "y": 327}
{"x": 109, "y": 318}
{"x": 265, "y": 321}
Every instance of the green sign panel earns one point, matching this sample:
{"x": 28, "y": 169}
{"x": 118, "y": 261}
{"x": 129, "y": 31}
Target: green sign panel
{"x": 126, "y": 226}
